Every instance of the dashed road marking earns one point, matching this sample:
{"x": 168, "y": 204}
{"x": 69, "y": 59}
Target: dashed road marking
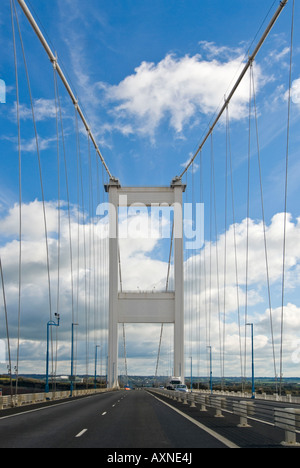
{"x": 81, "y": 433}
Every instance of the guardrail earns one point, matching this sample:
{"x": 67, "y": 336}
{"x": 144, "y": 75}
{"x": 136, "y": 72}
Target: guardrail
{"x": 287, "y": 419}
{"x": 35, "y": 398}
{"x": 258, "y": 396}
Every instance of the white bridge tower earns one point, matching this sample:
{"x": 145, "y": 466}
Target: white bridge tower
{"x": 150, "y": 307}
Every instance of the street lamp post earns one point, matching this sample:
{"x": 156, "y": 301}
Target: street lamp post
{"x": 252, "y": 346}
{"x": 97, "y": 346}
{"x": 72, "y": 359}
{"x": 51, "y": 323}
{"x": 210, "y": 372}
{"x": 191, "y": 374}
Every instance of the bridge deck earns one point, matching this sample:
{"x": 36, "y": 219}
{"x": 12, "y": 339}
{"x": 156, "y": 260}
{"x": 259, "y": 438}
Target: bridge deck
{"x": 129, "y": 420}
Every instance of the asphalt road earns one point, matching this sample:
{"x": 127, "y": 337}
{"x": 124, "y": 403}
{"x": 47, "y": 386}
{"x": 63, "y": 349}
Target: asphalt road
{"x": 113, "y": 420}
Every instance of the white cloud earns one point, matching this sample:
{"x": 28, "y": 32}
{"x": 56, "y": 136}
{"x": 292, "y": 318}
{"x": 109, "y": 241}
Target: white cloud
{"x": 283, "y": 94}
{"x": 213, "y": 51}
{"x": 202, "y": 271}
{"x": 195, "y": 166}
{"x": 256, "y": 255}
{"x": 88, "y": 265}
{"x": 44, "y": 109}
{"x": 177, "y": 89}
{"x": 29, "y": 145}
{"x": 291, "y": 315}
{"x": 32, "y": 220}
{"x": 295, "y": 92}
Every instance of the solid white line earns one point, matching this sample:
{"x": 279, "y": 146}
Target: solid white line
{"x": 43, "y": 408}
{"x": 38, "y": 409}
{"x": 214, "y": 434}
{"x": 81, "y": 433}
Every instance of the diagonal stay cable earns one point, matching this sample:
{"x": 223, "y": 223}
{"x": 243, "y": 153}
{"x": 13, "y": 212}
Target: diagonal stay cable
{"x": 39, "y": 159}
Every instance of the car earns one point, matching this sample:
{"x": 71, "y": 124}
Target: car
{"x": 181, "y": 388}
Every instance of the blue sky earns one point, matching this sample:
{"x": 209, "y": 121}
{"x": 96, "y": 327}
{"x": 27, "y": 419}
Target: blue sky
{"x": 103, "y": 48}
{"x": 150, "y": 76}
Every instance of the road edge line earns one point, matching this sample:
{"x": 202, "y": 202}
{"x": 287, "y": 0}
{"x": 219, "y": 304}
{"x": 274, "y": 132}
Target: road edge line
{"x": 214, "y": 434}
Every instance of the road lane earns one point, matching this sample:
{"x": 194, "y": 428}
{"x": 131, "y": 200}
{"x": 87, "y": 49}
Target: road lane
{"x": 141, "y": 421}
{"x": 111, "y": 420}
{"x": 53, "y": 426}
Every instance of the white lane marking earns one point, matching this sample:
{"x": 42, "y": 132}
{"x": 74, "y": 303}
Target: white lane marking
{"x": 81, "y": 433}
{"x": 214, "y": 434}
{"x": 103, "y": 414}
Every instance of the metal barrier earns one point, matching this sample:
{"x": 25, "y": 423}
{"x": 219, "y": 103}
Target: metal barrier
{"x": 288, "y": 419}
{"x": 34, "y": 398}
{"x": 261, "y": 411}
{"x": 219, "y": 404}
{"x": 243, "y": 409}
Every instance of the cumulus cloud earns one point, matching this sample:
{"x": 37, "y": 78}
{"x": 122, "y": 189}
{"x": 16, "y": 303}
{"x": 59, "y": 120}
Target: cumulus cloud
{"x": 90, "y": 268}
{"x": 295, "y": 92}
{"x": 35, "y": 306}
{"x": 177, "y": 89}
{"x": 44, "y": 109}
{"x": 29, "y": 145}
{"x": 205, "y": 278}
{"x": 236, "y": 238}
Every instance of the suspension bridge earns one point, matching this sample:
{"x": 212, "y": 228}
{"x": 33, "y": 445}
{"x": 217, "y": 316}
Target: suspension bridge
{"x": 218, "y": 300}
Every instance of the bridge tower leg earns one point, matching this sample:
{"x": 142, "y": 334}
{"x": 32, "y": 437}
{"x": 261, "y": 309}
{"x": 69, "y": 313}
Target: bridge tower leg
{"x": 152, "y": 307}
{"x": 113, "y": 343}
{"x": 179, "y": 284}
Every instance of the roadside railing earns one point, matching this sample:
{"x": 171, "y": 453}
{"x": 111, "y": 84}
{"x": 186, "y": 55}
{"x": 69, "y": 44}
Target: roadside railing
{"x": 258, "y": 396}
{"x": 287, "y": 419}
{"x": 35, "y": 398}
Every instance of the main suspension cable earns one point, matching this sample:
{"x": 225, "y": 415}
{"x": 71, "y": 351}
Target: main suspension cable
{"x": 251, "y": 59}
{"x": 53, "y": 59}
